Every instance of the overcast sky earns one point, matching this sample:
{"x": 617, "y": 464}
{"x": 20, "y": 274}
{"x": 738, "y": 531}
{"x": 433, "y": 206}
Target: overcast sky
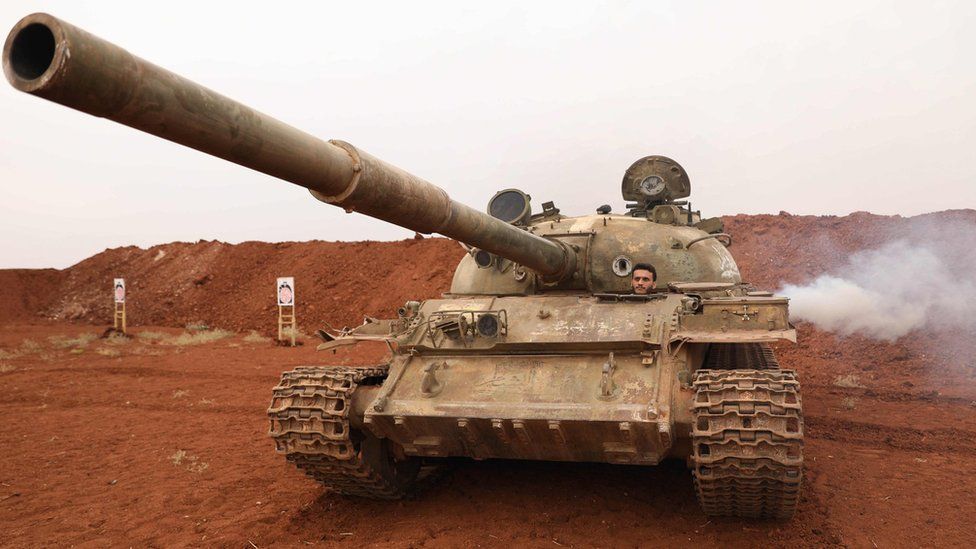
{"x": 816, "y": 108}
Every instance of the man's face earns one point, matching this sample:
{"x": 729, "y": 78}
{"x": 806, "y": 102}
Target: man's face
{"x": 642, "y": 281}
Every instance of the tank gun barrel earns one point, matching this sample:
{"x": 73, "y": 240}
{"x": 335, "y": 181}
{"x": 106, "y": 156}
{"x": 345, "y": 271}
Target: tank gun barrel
{"x": 49, "y": 58}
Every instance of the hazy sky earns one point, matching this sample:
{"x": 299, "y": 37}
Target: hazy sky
{"x": 816, "y": 108}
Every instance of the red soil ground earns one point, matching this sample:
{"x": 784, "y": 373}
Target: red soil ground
{"x": 151, "y": 443}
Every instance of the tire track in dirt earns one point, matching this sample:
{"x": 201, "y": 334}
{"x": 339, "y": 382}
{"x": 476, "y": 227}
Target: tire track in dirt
{"x": 148, "y": 372}
{"x": 115, "y": 406}
{"x": 903, "y": 438}
{"x": 892, "y": 395}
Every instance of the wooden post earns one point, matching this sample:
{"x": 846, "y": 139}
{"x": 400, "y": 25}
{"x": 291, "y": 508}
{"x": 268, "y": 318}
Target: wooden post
{"x": 286, "y": 320}
{"x": 119, "y": 321}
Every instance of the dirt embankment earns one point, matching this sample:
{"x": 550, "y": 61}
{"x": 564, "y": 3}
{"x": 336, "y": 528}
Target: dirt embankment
{"x": 232, "y": 286}
{"x": 776, "y": 249}
{"x": 25, "y": 293}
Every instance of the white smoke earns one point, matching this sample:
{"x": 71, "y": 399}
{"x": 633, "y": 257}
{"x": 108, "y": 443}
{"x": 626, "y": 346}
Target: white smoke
{"x": 926, "y": 280}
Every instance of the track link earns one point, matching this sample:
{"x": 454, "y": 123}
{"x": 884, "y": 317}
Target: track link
{"x": 309, "y": 416}
{"x": 728, "y": 356}
{"x": 747, "y": 457}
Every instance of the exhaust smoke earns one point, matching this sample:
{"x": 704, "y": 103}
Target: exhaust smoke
{"x": 926, "y": 279}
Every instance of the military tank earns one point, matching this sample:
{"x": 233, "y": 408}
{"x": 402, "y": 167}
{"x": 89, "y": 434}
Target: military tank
{"x": 539, "y": 350}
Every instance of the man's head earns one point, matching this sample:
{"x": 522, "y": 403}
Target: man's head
{"x": 643, "y": 278}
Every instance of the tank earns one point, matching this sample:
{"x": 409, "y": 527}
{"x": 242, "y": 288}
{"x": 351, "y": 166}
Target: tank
{"x": 539, "y": 350}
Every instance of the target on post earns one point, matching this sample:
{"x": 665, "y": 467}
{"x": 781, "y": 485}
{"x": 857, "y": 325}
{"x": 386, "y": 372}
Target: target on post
{"x": 119, "y": 290}
{"x": 286, "y": 291}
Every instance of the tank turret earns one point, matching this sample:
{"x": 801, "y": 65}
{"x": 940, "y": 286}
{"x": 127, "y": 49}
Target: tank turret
{"x": 657, "y": 229}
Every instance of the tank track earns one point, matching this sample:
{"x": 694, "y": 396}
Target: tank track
{"x": 728, "y": 356}
{"x": 309, "y": 416}
{"x": 747, "y": 438}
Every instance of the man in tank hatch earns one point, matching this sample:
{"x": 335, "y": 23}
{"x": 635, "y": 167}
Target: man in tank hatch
{"x": 643, "y": 278}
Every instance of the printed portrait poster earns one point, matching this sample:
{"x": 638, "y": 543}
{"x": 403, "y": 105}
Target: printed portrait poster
{"x": 286, "y": 291}
{"x": 119, "y": 290}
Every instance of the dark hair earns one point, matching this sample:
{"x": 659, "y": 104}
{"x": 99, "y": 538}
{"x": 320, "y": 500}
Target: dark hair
{"x": 646, "y": 267}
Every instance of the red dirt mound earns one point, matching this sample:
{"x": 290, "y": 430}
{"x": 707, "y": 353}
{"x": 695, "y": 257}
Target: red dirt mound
{"x": 773, "y": 249}
{"x": 232, "y": 286}
{"x": 25, "y": 292}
